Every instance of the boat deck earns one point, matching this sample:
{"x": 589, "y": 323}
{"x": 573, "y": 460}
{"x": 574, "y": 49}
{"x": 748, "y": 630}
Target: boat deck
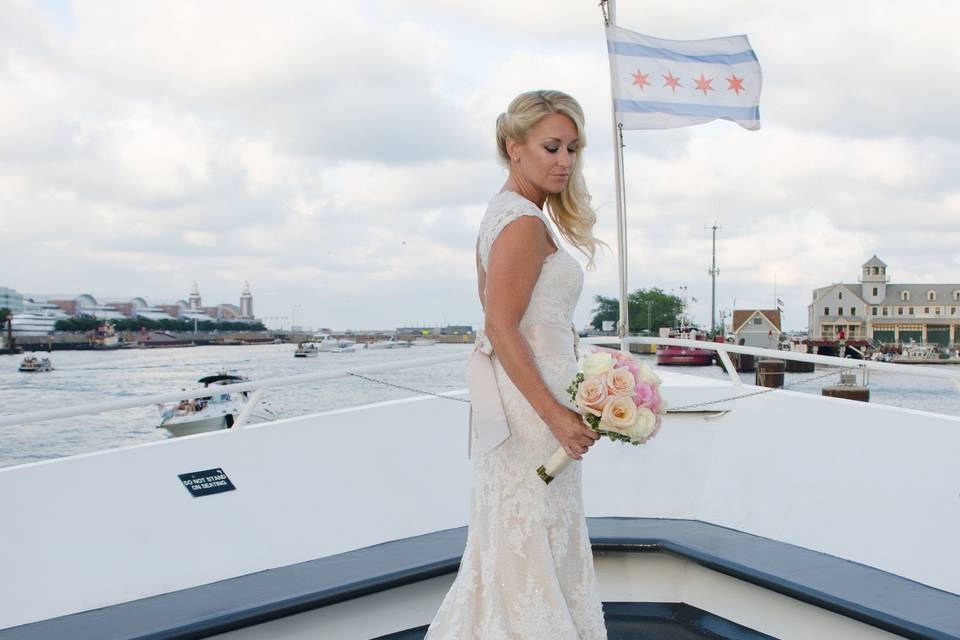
{"x": 877, "y": 598}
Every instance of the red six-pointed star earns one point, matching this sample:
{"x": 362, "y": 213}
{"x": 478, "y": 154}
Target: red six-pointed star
{"x": 736, "y": 84}
{"x": 640, "y": 79}
{"x": 703, "y": 84}
{"x": 672, "y": 81}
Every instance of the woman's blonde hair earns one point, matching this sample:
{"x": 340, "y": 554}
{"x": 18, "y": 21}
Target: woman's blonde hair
{"x": 570, "y": 209}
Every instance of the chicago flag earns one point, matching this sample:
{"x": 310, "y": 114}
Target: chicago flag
{"x": 661, "y": 84}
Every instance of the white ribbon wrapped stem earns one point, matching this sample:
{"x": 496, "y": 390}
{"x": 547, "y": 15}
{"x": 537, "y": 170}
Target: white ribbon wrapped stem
{"x": 557, "y": 463}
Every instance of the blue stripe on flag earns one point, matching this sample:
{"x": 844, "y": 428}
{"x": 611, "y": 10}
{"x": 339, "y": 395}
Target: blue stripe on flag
{"x": 681, "y": 109}
{"x": 638, "y": 50}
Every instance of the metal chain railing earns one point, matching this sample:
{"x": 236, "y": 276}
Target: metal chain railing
{"x": 405, "y": 388}
{"x": 752, "y": 393}
{"x": 680, "y": 408}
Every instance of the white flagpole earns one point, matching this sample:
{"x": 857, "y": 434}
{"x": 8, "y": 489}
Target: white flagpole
{"x": 623, "y": 326}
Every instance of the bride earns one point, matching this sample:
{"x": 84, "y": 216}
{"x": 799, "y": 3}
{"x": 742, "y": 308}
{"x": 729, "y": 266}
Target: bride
{"x": 527, "y": 570}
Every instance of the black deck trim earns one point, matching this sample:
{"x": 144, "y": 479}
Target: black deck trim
{"x": 881, "y": 599}
{"x": 649, "y": 621}
{"x": 878, "y": 598}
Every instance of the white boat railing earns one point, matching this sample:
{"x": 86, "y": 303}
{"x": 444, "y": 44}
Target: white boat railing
{"x": 723, "y": 348}
{"x": 259, "y": 386}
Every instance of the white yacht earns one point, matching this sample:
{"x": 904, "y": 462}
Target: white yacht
{"x": 755, "y": 513}
{"x": 213, "y": 412}
{"x": 330, "y": 344}
{"x": 391, "y": 343}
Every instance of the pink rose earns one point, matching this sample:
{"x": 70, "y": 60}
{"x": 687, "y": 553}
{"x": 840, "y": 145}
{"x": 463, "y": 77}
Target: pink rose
{"x": 656, "y": 404}
{"x": 644, "y": 395}
{"x": 591, "y": 394}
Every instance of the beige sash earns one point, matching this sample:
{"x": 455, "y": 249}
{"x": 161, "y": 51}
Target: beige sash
{"x": 488, "y": 423}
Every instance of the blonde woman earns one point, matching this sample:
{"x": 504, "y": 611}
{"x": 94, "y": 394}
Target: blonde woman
{"x": 527, "y": 571}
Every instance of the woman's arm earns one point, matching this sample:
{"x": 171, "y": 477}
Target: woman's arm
{"x": 516, "y": 259}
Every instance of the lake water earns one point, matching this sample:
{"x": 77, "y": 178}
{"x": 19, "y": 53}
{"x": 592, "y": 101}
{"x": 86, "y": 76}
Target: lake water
{"x": 82, "y": 377}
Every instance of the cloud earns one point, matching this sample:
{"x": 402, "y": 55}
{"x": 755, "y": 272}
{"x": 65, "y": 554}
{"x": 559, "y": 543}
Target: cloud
{"x": 341, "y": 154}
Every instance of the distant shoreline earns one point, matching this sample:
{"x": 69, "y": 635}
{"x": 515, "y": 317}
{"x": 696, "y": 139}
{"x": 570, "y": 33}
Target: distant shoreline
{"x": 80, "y": 341}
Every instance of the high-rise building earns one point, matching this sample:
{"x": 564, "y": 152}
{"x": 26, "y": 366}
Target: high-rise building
{"x": 246, "y": 302}
{"x": 195, "y": 303}
{"x": 10, "y": 299}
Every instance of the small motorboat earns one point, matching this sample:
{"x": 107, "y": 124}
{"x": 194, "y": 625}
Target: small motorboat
{"x": 306, "y": 350}
{"x": 923, "y": 354}
{"x": 685, "y": 356}
{"x": 214, "y": 412}
{"x": 391, "y": 343}
{"x": 33, "y": 364}
{"x": 423, "y": 342}
{"x": 328, "y": 344}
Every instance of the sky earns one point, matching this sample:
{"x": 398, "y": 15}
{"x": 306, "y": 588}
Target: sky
{"x": 339, "y": 155}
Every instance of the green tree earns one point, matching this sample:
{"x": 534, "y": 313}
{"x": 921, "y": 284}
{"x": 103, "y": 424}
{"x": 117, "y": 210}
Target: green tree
{"x": 76, "y": 324}
{"x": 648, "y": 309}
{"x": 4, "y": 314}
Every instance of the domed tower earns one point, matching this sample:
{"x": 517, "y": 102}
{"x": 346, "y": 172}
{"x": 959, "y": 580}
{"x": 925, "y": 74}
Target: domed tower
{"x": 246, "y": 302}
{"x": 874, "y": 280}
{"x": 195, "y": 297}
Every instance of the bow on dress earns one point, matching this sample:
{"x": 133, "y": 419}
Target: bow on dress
{"x": 488, "y": 422}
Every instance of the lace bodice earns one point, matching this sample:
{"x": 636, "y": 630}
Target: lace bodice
{"x": 556, "y": 292}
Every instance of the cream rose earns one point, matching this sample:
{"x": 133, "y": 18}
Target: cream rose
{"x": 620, "y": 382}
{"x": 595, "y": 364}
{"x": 645, "y": 374}
{"x": 592, "y": 394}
{"x": 619, "y": 415}
{"x": 644, "y": 425}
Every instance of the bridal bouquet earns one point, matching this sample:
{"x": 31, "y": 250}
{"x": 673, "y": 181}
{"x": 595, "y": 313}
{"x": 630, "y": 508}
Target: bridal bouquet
{"x": 618, "y": 396}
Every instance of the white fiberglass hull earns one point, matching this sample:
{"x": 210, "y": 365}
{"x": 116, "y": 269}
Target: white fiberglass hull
{"x": 199, "y": 425}
{"x": 777, "y": 465}
{"x": 209, "y": 420}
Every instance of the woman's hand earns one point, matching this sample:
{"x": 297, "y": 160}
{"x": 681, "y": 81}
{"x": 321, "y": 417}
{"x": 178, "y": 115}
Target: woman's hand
{"x": 570, "y": 431}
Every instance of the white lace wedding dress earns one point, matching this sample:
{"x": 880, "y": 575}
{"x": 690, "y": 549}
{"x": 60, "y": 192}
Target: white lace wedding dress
{"x": 527, "y": 571}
